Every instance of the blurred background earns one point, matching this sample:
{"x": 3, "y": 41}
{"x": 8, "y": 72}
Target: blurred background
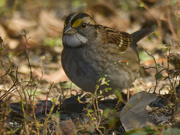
{"x": 31, "y": 35}
{"x": 33, "y": 83}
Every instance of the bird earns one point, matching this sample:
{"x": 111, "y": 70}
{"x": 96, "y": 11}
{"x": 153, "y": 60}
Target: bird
{"x": 92, "y": 51}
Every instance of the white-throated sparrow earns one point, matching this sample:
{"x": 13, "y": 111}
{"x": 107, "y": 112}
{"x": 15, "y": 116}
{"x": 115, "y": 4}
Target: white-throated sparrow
{"x": 92, "y": 50}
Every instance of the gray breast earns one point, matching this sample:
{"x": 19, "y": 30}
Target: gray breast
{"x": 78, "y": 71}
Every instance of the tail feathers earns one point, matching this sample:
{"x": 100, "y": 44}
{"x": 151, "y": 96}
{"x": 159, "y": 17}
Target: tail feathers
{"x": 138, "y": 35}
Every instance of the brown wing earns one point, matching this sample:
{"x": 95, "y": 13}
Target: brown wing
{"x": 121, "y": 39}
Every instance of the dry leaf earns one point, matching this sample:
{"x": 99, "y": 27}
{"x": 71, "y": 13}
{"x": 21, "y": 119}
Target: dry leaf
{"x": 134, "y": 114}
{"x": 55, "y": 77}
{"x": 68, "y": 127}
{"x": 17, "y": 25}
{"x": 51, "y": 24}
{"x": 3, "y": 33}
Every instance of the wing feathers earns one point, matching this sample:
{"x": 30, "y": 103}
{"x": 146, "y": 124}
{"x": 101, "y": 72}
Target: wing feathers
{"x": 121, "y": 39}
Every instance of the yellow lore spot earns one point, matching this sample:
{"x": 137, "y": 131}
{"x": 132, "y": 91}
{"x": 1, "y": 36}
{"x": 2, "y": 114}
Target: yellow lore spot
{"x": 77, "y": 23}
{"x": 64, "y": 23}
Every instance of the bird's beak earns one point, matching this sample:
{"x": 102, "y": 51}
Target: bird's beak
{"x": 69, "y": 31}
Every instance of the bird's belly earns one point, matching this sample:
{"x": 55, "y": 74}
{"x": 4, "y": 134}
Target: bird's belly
{"x": 79, "y": 71}
{"x": 85, "y": 73}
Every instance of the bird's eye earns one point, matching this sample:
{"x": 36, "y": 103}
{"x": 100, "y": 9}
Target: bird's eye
{"x": 83, "y": 25}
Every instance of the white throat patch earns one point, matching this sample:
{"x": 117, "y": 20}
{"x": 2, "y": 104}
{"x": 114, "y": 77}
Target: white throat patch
{"x": 81, "y": 38}
{"x": 74, "y": 40}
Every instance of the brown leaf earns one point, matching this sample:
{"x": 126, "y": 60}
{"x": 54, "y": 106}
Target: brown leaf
{"x": 151, "y": 62}
{"x": 51, "y": 24}
{"x": 13, "y": 43}
{"x": 3, "y": 33}
{"x": 68, "y": 127}
{"x": 55, "y": 77}
{"x": 17, "y": 25}
{"x": 134, "y": 114}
